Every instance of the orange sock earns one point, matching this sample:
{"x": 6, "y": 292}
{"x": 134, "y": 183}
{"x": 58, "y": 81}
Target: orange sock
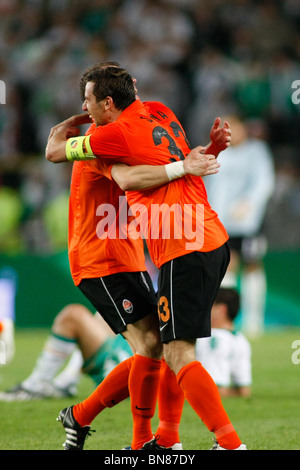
{"x": 170, "y": 405}
{"x": 202, "y": 394}
{"x": 143, "y": 387}
{"x": 112, "y": 390}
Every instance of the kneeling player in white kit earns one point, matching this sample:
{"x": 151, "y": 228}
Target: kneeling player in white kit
{"x": 226, "y": 355}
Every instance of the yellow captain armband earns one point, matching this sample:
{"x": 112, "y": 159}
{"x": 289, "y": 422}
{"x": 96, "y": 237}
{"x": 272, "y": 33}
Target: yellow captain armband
{"x": 79, "y": 148}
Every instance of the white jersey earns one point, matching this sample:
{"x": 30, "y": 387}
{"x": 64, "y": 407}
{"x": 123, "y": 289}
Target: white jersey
{"x": 239, "y": 193}
{"x": 226, "y": 356}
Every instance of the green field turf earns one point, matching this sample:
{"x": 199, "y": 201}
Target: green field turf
{"x": 267, "y": 421}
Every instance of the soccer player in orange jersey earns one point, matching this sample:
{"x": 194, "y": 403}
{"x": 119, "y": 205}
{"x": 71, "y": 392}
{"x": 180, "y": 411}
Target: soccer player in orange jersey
{"x": 191, "y": 268}
{"x": 110, "y": 270}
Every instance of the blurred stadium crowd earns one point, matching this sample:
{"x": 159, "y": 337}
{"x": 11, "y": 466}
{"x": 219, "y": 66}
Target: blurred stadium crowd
{"x": 203, "y": 58}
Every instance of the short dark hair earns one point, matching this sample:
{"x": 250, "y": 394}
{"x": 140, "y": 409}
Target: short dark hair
{"x": 231, "y": 298}
{"x": 110, "y": 80}
{"x": 87, "y": 72}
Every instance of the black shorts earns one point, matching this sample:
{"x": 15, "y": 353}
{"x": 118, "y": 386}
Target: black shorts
{"x": 121, "y": 298}
{"x": 187, "y": 288}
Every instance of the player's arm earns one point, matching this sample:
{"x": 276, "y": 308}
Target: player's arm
{"x": 60, "y": 149}
{"x": 220, "y": 138}
{"x": 142, "y": 177}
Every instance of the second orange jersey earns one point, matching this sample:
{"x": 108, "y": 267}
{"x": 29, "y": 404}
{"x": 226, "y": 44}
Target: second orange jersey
{"x": 97, "y": 222}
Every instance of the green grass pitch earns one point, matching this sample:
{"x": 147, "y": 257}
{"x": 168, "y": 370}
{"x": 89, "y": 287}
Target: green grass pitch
{"x": 267, "y": 421}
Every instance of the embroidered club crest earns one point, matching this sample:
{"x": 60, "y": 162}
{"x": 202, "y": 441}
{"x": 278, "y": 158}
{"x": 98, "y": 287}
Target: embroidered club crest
{"x": 127, "y": 305}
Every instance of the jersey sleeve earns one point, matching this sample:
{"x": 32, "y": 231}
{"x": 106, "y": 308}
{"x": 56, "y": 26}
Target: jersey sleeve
{"x": 108, "y": 142}
{"x": 103, "y": 165}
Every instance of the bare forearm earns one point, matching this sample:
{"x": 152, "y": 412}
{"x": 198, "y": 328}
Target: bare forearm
{"x": 56, "y": 149}
{"x": 140, "y": 177}
{"x": 56, "y": 145}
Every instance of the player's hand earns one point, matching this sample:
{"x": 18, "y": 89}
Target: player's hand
{"x": 220, "y": 136}
{"x": 63, "y": 132}
{"x": 135, "y": 88}
{"x": 72, "y": 132}
{"x": 79, "y": 120}
{"x": 71, "y": 124}
{"x": 198, "y": 163}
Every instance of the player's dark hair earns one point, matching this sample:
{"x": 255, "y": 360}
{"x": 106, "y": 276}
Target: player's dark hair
{"x": 110, "y": 80}
{"x": 231, "y": 298}
{"x": 87, "y": 72}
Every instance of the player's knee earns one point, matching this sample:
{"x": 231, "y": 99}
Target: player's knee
{"x": 170, "y": 360}
{"x": 148, "y": 344}
{"x": 175, "y": 364}
{"x": 68, "y": 316}
{"x": 145, "y": 337}
{"x": 153, "y": 345}
{"x": 178, "y": 354}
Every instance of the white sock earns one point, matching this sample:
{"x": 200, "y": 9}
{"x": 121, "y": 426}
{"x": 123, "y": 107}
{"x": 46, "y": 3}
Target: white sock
{"x": 253, "y": 301}
{"x": 71, "y": 374}
{"x": 54, "y": 355}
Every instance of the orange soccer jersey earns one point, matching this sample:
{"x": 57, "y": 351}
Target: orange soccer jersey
{"x": 96, "y": 246}
{"x": 175, "y": 218}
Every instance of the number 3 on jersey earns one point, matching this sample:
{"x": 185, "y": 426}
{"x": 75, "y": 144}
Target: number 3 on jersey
{"x": 163, "y": 309}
